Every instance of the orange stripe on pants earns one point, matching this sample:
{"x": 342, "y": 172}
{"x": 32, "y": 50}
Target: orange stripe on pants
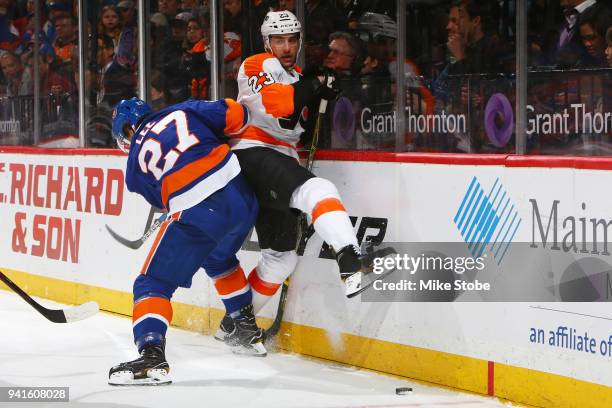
{"x": 326, "y": 205}
{"x": 158, "y": 238}
{"x": 154, "y": 305}
{"x": 231, "y": 283}
{"x": 261, "y": 286}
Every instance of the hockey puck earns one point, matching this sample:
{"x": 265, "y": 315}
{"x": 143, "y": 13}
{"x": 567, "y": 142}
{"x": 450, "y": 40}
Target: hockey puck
{"x": 403, "y": 390}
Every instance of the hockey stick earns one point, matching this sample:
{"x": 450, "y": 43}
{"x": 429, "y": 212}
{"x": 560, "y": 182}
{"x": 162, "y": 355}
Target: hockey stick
{"x": 69, "y": 315}
{"x": 302, "y": 226}
{"x": 138, "y": 243}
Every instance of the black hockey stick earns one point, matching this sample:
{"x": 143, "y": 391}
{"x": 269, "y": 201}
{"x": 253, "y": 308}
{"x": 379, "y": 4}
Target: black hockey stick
{"x": 302, "y": 227}
{"x": 71, "y": 314}
{"x": 138, "y": 242}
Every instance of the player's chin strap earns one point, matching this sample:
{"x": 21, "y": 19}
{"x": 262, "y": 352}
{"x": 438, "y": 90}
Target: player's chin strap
{"x": 303, "y": 222}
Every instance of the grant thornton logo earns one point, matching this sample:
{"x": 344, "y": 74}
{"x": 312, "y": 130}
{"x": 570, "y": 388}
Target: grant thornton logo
{"x": 499, "y": 120}
{"x": 487, "y": 221}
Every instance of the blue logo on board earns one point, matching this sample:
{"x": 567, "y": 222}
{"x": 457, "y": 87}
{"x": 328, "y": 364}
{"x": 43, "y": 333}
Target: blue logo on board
{"x": 487, "y": 221}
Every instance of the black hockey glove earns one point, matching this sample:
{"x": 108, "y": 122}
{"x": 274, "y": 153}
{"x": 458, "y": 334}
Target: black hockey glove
{"x": 329, "y": 89}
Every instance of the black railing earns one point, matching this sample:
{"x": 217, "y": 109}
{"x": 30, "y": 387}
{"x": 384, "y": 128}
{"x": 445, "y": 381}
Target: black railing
{"x": 59, "y": 117}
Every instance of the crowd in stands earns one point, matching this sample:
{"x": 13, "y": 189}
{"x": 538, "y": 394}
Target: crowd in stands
{"x": 355, "y": 38}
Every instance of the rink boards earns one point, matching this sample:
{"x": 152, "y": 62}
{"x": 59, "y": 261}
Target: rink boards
{"x": 56, "y": 203}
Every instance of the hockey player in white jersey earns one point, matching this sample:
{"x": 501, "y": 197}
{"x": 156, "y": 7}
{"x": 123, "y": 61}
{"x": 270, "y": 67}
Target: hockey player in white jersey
{"x": 276, "y": 93}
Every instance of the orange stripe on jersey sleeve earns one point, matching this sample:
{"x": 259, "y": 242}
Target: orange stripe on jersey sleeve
{"x": 326, "y": 205}
{"x": 261, "y": 286}
{"x": 186, "y": 174}
{"x": 278, "y": 99}
{"x": 153, "y": 305}
{"x": 234, "y": 116}
{"x": 231, "y": 283}
{"x": 254, "y": 64}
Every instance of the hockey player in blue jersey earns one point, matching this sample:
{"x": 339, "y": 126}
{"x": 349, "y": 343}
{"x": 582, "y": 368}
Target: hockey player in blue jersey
{"x": 177, "y": 162}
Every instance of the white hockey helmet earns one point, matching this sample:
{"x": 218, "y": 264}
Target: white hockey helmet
{"x": 279, "y": 23}
{"x": 378, "y": 25}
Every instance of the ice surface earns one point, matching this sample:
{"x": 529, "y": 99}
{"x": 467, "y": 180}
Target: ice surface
{"x": 36, "y": 352}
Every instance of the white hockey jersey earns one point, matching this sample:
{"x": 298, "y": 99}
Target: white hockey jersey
{"x": 264, "y": 87}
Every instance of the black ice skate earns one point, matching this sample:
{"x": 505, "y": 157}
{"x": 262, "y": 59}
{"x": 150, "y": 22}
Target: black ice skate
{"x": 246, "y": 338}
{"x": 150, "y": 369}
{"x": 225, "y": 328}
{"x": 356, "y": 267}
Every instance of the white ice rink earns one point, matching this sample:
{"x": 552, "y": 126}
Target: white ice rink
{"x": 35, "y": 352}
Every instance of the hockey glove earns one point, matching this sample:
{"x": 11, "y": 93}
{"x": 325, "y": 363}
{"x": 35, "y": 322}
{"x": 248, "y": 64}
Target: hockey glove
{"x": 329, "y": 89}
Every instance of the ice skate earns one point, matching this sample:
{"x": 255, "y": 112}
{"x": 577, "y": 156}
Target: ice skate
{"x": 356, "y": 267}
{"x": 246, "y": 338}
{"x": 150, "y": 369}
{"x": 225, "y": 328}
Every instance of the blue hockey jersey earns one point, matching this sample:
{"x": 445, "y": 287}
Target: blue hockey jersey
{"x": 176, "y": 159}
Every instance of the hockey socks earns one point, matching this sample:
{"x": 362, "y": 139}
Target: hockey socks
{"x": 150, "y": 320}
{"x": 233, "y": 289}
{"x": 320, "y": 200}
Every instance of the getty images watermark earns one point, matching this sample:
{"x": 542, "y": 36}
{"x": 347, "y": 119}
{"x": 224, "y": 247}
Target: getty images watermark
{"x": 477, "y": 272}
{"x": 423, "y": 263}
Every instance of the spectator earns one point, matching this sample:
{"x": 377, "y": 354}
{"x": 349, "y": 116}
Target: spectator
{"x": 194, "y": 33}
{"x": 111, "y": 23}
{"x": 51, "y": 80}
{"x": 245, "y": 26}
{"x": 9, "y": 35}
{"x": 25, "y": 23}
{"x": 381, "y": 33}
{"x": 344, "y": 56}
{"x": 190, "y": 6}
{"x": 179, "y": 31}
{"x": 118, "y": 82}
{"x": 322, "y": 19}
{"x": 18, "y": 80}
{"x": 569, "y": 50}
{"x": 196, "y": 60}
{"x": 66, "y": 37}
{"x": 159, "y": 95}
{"x": 472, "y": 41}
{"x": 57, "y": 9}
{"x": 286, "y": 5}
{"x": 106, "y": 54}
{"x": 233, "y": 15}
{"x": 127, "y": 9}
{"x": 381, "y": 62}
{"x": 592, "y": 28}
{"x": 168, "y": 9}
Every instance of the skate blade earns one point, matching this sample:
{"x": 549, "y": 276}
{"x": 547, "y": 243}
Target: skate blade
{"x": 254, "y": 350}
{"x": 352, "y": 284}
{"x": 367, "y": 283}
{"x": 154, "y": 377}
{"x": 220, "y": 335}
